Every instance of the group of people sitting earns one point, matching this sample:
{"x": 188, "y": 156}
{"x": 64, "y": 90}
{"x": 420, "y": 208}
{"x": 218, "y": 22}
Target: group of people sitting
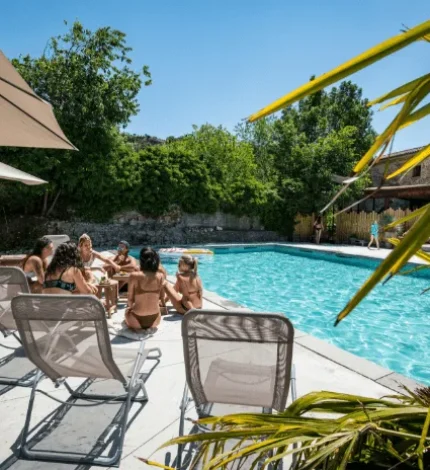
{"x": 69, "y": 270}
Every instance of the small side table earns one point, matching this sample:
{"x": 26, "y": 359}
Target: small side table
{"x": 110, "y": 290}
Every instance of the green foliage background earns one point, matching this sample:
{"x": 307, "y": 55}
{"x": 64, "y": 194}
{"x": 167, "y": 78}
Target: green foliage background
{"x": 275, "y": 168}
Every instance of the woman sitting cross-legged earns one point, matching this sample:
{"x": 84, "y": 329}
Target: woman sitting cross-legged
{"x": 35, "y": 264}
{"x": 144, "y": 292}
{"x": 65, "y": 273}
{"x": 188, "y": 290}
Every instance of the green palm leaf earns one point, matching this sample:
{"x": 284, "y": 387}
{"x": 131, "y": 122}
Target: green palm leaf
{"x": 390, "y": 430}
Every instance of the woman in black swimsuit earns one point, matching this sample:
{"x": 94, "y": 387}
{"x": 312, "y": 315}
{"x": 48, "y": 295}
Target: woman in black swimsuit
{"x": 65, "y": 273}
{"x": 318, "y": 227}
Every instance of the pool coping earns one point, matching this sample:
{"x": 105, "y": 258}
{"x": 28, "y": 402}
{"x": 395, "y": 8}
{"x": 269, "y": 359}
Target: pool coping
{"x": 368, "y": 369}
{"x": 334, "y": 249}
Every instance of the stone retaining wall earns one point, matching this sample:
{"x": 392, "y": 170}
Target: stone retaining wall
{"x": 168, "y": 230}
{"x": 19, "y": 234}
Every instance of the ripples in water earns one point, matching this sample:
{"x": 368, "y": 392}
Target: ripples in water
{"x": 390, "y": 327}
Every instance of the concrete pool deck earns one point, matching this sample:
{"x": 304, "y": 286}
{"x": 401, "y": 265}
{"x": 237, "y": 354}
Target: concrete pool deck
{"x": 319, "y": 366}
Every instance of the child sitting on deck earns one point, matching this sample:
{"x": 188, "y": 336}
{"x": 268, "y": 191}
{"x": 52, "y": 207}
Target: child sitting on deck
{"x": 188, "y": 290}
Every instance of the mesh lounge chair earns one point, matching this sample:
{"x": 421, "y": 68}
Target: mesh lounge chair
{"x": 236, "y": 361}
{"x": 12, "y": 282}
{"x": 78, "y": 345}
{"x": 57, "y": 240}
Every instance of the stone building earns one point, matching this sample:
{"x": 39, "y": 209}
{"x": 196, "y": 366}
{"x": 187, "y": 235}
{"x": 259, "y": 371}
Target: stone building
{"x": 407, "y": 191}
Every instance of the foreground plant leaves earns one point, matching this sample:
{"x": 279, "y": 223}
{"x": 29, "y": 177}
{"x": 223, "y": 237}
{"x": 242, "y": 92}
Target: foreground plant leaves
{"x": 419, "y": 93}
{"x": 417, "y": 213}
{"x": 401, "y": 90}
{"x": 388, "y": 431}
{"x": 411, "y": 162}
{"x": 401, "y": 254}
{"x": 420, "y": 253}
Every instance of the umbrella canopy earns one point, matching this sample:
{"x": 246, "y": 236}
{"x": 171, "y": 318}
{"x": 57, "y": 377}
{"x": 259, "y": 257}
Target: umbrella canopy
{"x": 26, "y": 120}
{"x": 9, "y": 173}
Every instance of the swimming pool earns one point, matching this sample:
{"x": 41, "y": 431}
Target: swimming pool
{"x": 390, "y": 327}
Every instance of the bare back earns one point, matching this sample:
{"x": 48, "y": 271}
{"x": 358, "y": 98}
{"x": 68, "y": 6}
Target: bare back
{"x": 190, "y": 286}
{"x": 144, "y": 291}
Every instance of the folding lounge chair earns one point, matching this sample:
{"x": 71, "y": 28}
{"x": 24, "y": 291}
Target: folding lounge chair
{"x": 12, "y": 282}
{"x": 236, "y": 362}
{"x": 78, "y": 345}
{"x": 57, "y": 240}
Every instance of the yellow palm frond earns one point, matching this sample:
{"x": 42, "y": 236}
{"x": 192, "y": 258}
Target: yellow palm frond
{"x": 410, "y": 244}
{"x": 401, "y": 90}
{"x": 411, "y": 162}
{"x": 417, "y": 213}
{"x": 363, "y": 60}
{"x": 420, "y": 253}
{"x": 421, "y": 113}
{"x": 413, "y": 99}
{"x": 394, "y": 102}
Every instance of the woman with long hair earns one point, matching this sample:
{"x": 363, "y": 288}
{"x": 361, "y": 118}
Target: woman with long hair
{"x": 188, "y": 290}
{"x": 144, "y": 291}
{"x": 88, "y": 256}
{"x": 35, "y": 263}
{"x": 65, "y": 273}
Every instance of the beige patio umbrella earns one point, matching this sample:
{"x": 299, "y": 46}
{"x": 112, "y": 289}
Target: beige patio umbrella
{"x": 10, "y": 173}
{"x": 26, "y": 120}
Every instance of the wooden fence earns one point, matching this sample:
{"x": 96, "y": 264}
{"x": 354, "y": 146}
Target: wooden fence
{"x": 351, "y": 224}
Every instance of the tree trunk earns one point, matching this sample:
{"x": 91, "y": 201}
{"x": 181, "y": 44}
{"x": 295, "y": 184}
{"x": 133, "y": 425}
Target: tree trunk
{"x": 45, "y": 204}
{"x": 54, "y": 202}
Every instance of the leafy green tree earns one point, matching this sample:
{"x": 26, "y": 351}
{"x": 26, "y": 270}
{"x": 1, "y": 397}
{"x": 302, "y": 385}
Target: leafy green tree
{"x": 261, "y": 136}
{"x": 140, "y": 142}
{"x": 323, "y": 112}
{"x": 87, "y": 77}
{"x": 324, "y": 135}
{"x": 173, "y": 175}
{"x": 231, "y": 166}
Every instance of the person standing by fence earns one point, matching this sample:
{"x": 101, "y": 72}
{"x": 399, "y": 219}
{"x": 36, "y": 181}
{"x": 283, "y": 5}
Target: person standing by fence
{"x": 374, "y": 235}
{"x": 318, "y": 227}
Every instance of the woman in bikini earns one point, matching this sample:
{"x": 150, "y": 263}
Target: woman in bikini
{"x": 35, "y": 264}
{"x": 318, "y": 227}
{"x": 65, "y": 273}
{"x": 144, "y": 292}
{"x": 188, "y": 290}
{"x": 88, "y": 256}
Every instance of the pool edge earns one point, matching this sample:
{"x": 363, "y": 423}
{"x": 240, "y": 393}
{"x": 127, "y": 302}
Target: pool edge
{"x": 342, "y": 250}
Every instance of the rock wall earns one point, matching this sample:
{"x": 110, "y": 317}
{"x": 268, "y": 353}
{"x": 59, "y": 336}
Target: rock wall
{"x": 172, "y": 229}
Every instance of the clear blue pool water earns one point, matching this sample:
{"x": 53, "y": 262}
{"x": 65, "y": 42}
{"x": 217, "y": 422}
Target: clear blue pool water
{"x": 390, "y": 327}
